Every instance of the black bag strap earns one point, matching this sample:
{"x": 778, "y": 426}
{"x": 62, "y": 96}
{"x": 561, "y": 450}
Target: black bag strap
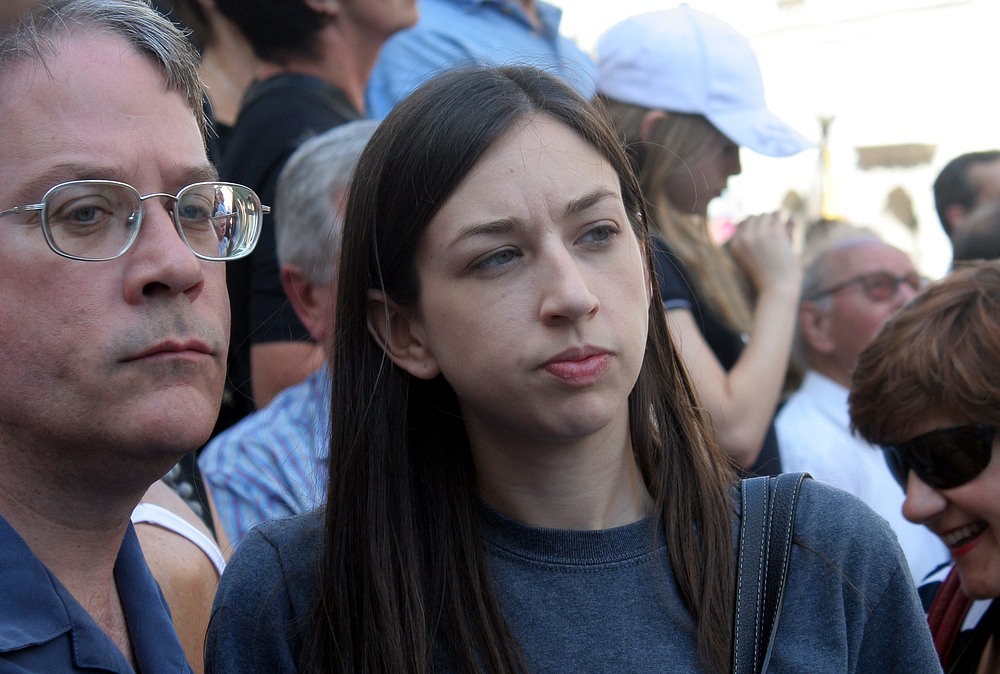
{"x": 767, "y": 522}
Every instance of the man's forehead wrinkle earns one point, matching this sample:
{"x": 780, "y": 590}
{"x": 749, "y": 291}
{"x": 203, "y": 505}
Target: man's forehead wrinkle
{"x": 35, "y": 188}
{"x": 49, "y": 48}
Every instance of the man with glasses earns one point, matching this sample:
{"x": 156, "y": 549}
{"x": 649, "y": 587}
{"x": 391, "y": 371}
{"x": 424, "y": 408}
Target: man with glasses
{"x": 114, "y": 320}
{"x": 852, "y": 282}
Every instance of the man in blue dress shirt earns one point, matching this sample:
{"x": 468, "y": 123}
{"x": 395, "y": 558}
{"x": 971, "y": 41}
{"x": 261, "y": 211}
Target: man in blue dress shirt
{"x": 452, "y": 33}
{"x": 273, "y": 463}
{"x": 114, "y": 322}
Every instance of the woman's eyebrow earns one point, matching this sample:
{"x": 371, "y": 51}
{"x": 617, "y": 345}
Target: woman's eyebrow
{"x": 586, "y": 201}
{"x": 501, "y": 226}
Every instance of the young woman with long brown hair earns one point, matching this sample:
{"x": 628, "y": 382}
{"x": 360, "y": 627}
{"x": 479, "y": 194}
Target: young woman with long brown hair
{"x": 520, "y": 475}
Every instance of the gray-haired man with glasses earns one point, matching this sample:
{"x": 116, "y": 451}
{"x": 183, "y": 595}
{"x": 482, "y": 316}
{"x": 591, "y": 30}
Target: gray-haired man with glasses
{"x": 852, "y": 283}
{"x": 114, "y": 322}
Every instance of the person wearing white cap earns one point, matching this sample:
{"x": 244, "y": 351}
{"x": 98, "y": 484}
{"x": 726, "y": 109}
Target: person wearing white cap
{"x": 685, "y": 91}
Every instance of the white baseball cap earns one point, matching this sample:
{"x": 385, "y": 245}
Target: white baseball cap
{"x": 683, "y": 60}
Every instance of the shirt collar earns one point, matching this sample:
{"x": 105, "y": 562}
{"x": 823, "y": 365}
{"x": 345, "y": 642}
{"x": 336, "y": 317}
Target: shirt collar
{"x": 829, "y": 396}
{"x": 35, "y": 608}
{"x": 153, "y": 637}
{"x": 320, "y": 386}
{"x": 550, "y": 16}
{"x": 31, "y": 610}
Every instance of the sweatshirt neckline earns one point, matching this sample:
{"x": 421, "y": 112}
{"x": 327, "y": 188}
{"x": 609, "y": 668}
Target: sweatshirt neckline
{"x": 569, "y": 547}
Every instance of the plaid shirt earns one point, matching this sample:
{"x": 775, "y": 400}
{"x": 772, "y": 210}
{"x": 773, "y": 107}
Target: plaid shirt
{"x": 273, "y": 463}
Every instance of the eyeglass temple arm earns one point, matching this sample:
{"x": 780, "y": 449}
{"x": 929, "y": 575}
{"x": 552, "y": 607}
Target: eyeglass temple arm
{"x": 24, "y": 209}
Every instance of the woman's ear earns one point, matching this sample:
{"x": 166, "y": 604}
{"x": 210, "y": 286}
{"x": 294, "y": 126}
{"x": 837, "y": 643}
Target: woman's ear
{"x": 399, "y": 332}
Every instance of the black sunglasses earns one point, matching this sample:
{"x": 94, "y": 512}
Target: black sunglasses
{"x": 945, "y": 458}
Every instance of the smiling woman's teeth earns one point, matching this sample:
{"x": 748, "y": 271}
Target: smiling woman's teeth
{"x": 959, "y": 537}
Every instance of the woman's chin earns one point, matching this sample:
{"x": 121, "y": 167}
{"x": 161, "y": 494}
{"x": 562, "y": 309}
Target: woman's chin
{"x": 980, "y": 578}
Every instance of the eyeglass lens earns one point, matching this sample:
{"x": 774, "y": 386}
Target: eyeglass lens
{"x": 99, "y": 220}
{"x": 945, "y": 458}
{"x": 91, "y": 220}
{"x": 211, "y": 218}
{"x": 882, "y": 286}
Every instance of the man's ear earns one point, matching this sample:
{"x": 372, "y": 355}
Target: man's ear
{"x": 401, "y": 336}
{"x": 649, "y": 122}
{"x": 312, "y": 303}
{"x": 814, "y": 323}
{"x": 955, "y": 214}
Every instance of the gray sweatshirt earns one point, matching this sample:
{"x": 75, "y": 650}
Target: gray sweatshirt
{"x": 606, "y": 601}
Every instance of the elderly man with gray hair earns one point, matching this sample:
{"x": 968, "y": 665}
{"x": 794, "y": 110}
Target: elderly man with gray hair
{"x": 852, "y": 282}
{"x": 273, "y": 463}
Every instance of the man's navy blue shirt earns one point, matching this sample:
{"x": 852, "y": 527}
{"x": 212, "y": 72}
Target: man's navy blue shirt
{"x": 44, "y": 629}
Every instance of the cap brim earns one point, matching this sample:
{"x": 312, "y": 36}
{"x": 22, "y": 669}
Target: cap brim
{"x": 761, "y": 131}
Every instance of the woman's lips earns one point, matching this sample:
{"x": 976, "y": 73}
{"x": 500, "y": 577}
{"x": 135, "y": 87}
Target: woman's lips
{"x": 961, "y": 541}
{"x": 579, "y": 370}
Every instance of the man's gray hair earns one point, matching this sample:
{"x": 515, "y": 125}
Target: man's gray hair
{"x": 33, "y": 37}
{"x": 816, "y": 256}
{"x": 816, "y": 273}
{"x": 308, "y": 221}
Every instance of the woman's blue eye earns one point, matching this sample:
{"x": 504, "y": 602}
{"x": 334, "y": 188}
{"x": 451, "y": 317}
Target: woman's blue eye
{"x": 497, "y": 259}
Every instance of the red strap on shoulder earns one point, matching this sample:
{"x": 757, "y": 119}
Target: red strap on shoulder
{"x": 946, "y": 614}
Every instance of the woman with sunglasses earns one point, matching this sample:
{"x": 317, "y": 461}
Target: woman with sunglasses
{"x": 521, "y": 479}
{"x": 927, "y": 390}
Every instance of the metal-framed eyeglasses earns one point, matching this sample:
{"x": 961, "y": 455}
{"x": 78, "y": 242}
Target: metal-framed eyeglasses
{"x": 880, "y": 286}
{"x": 98, "y": 220}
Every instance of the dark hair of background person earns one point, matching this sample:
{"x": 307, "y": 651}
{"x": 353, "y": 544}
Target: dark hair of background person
{"x": 952, "y": 186}
{"x": 191, "y": 17}
{"x": 403, "y": 570}
{"x": 939, "y": 354}
{"x": 278, "y": 30}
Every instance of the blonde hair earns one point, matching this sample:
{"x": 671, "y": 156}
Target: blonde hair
{"x": 673, "y": 140}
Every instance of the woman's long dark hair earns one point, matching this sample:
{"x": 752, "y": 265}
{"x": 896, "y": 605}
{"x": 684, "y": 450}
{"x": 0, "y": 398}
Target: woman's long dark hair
{"x": 404, "y": 578}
